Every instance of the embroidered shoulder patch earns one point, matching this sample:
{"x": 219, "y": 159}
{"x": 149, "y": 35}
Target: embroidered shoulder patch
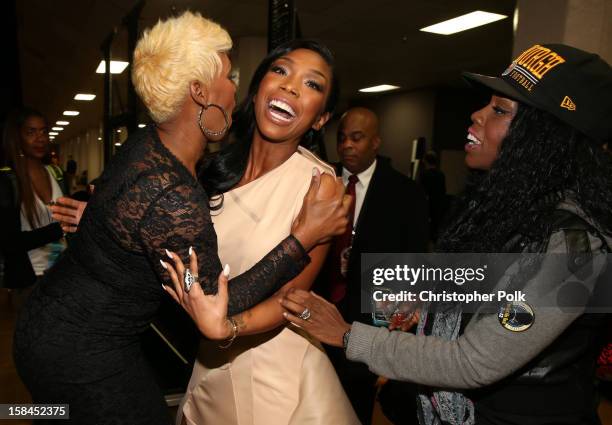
{"x": 516, "y": 316}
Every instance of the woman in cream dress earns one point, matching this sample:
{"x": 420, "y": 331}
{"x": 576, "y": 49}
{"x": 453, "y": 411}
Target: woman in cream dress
{"x": 273, "y": 373}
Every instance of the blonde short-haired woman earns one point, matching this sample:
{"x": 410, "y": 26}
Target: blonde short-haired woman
{"x": 77, "y": 339}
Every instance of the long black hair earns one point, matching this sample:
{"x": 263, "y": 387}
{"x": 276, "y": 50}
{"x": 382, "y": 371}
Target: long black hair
{"x": 223, "y": 170}
{"x": 14, "y": 159}
{"x": 541, "y": 162}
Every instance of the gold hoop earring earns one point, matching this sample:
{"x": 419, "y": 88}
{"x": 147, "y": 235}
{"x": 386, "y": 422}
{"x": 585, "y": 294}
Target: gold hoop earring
{"x": 212, "y": 133}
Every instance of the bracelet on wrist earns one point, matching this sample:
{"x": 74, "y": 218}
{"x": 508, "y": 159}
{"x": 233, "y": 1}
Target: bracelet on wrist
{"x": 231, "y": 339}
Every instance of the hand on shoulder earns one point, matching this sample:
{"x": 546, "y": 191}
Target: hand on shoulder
{"x": 329, "y": 187}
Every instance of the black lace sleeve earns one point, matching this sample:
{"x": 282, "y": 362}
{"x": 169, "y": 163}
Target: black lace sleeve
{"x": 180, "y": 218}
{"x": 278, "y": 267}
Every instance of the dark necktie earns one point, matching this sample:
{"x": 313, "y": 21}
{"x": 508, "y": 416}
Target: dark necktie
{"x": 341, "y": 250}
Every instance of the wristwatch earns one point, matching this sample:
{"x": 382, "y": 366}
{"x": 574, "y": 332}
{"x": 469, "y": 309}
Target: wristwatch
{"x": 345, "y": 339}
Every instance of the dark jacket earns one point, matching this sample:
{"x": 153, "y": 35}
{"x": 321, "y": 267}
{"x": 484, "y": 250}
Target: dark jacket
{"x": 562, "y": 375}
{"x": 393, "y": 218}
{"x": 15, "y": 267}
{"x": 542, "y": 376}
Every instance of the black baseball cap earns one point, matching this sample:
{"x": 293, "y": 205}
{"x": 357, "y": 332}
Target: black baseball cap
{"x": 573, "y": 85}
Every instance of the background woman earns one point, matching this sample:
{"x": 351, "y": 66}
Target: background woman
{"x": 544, "y": 186}
{"x": 77, "y": 339}
{"x": 278, "y": 376}
{"x": 31, "y": 239}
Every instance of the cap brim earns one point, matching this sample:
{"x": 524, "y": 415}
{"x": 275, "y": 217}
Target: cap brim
{"x": 495, "y": 84}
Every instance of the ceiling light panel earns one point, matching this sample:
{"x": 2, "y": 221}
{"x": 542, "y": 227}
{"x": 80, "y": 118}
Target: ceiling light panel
{"x": 57, "y": 128}
{"x": 117, "y": 67}
{"x": 85, "y": 96}
{"x": 71, "y": 113}
{"x": 62, "y": 122}
{"x": 464, "y": 22}
{"x": 375, "y": 89}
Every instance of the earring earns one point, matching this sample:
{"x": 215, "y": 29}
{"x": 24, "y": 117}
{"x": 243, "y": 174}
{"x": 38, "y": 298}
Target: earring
{"x": 212, "y": 133}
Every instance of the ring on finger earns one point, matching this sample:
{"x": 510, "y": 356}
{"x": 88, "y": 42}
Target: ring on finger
{"x": 305, "y": 315}
{"x": 189, "y": 279}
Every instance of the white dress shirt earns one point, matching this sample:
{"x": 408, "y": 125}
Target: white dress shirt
{"x": 361, "y": 187}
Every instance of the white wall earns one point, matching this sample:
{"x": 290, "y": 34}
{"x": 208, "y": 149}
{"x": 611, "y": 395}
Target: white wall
{"x": 580, "y": 23}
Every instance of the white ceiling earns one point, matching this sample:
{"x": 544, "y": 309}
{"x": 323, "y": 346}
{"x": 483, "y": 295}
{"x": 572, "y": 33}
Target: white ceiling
{"x": 375, "y": 41}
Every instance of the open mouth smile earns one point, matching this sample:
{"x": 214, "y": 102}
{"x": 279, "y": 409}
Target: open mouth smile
{"x": 281, "y": 110}
{"x": 472, "y": 140}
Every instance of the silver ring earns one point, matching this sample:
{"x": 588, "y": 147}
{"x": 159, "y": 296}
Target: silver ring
{"x": 305, "y": 314}
{"x": 189, "y": 280}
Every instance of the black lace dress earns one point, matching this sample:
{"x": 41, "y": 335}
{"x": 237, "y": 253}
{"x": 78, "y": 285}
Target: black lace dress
{"x": 77, "y": 337}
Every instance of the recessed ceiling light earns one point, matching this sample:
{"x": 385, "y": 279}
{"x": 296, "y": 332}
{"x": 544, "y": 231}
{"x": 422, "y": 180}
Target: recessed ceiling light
{"x": 85, "y": 96}
{"x": 117, "y": 144}
{"x": 142, "y": 125}
{"x": 119, "y": 131}
{"x": 71, "y": 113}
{"x": 99, "y": 138}
{"x": 116, "y": 67}
{"x": 62, "y": 122}
{"x": 53, "y": 133}
{"x": 51, "y": 137}
{"x": 57, "y": 128}
{"x": 464, "y": 22}
{"x": 382, "y": 87}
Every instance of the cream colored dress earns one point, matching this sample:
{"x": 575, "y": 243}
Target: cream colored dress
{"x": 280, "y": 377}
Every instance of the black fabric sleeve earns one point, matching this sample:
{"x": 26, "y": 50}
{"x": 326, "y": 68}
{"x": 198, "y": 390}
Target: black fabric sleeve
{"x": 179, "y": 218}
{"x": 13, "y": 239}
{"x": 40, "y": 237}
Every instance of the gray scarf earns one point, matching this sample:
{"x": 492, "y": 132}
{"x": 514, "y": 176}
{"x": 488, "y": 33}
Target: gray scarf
{"x": 439, "y": 407}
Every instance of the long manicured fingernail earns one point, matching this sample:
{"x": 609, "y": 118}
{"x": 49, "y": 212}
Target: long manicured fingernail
{"x": 226, "y": 270}
{"x": 163, "y": 287}
{"x": 168, "y": 254}
{"x": 190, "y": 251}
{"x": 314, "y": 171}
{"x": 163, "y": 265}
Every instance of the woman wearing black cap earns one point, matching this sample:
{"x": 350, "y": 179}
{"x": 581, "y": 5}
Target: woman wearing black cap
{"x": 542, "y": 184}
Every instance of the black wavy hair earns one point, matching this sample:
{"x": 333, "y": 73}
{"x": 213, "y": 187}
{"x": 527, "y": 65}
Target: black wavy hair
{"x": 541, "y": 161}
{"x": 224, "y": 169}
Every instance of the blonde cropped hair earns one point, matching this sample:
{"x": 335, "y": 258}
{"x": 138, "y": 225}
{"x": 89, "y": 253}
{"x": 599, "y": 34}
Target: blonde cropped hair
{"x": 171, "y": 55}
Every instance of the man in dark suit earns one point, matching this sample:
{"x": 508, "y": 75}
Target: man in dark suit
{"x": 390, "y": 215}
